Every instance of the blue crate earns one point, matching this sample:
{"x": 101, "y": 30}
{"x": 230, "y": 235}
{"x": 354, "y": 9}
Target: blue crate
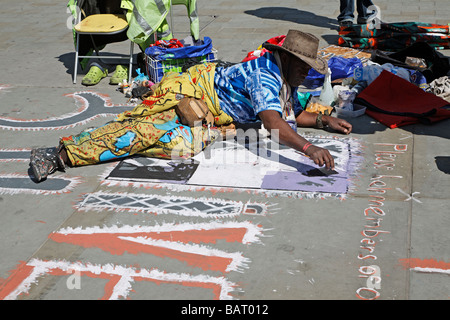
{"x": 156, "y": 69}
{"x": 160, "y": 60}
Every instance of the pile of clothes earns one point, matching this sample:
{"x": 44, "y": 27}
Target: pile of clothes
{"x": 394, "y": 36}
{"x": 163, "y": 56}
{"x": 169, "y": 44}
{"x": 139, "y": 88}
{"x": 441, "y": 88}
{"x": 407, "y": 86}
{"x": 396, "y": 88}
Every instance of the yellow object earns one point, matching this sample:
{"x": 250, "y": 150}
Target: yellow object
{"x": 152, "y": 129}
{"x": 197, "y": 82}
{"x": 316, "y": 107}
{"x": 102, "y": 23}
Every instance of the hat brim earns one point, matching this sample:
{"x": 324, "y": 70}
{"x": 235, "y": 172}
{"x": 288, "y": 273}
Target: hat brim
{"x": 319, "y": 64}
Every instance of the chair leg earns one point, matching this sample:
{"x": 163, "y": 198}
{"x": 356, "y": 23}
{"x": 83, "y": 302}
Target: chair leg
{"x": 76, "y": 60}
{"x": 171, "y": 17}
{"x": 130, "y": 67}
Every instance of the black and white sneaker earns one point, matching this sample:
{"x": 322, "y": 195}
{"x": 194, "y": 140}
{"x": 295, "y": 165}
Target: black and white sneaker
{"x": 45, "y": 161}
{"x": 345, "y": 23}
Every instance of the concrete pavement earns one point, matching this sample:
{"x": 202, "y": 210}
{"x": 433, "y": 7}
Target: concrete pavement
{"x": 81, "y": 235}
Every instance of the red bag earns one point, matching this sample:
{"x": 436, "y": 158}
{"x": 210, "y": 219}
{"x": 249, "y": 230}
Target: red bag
{"x": 396, "y": 102}
{"x": 260, "y": 52}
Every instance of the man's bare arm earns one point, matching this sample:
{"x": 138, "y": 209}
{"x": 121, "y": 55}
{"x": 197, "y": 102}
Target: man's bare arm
{"x": 308, "y": 119}
{"x": 272, "y": 121}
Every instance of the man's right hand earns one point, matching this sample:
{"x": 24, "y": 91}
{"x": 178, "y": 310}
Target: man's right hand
{"x": 272, "y": 121}
{"x": 320, "y": 156}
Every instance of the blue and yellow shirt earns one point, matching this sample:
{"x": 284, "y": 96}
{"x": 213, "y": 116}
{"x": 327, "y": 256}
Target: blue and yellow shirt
{"x": 247, "y": 88}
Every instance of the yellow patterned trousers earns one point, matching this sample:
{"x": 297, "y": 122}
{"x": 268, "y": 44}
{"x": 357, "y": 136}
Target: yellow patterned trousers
{"x": 153, "y": 128}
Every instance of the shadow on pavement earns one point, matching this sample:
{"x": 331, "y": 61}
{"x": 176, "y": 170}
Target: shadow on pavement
{"x": 294, "y": 15}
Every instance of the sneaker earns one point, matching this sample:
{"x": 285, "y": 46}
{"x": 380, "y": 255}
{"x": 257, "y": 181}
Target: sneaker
{"x": 345, "y": 23}
{"x": 45, "y": 161}
{"x": 372, "y": 21}
{"x": 119, "y": 75}
{"x": 94, "y": 75}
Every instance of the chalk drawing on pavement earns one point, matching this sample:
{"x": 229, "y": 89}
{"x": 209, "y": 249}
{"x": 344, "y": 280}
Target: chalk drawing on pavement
{"x": 18, "y": 155}
{"x": 160, "y": 204}
{"x": 120, "y": 278}
{"x": 426, "y": 265}
{"x": 4, "y": 87}
{"x": 17, "y": 183}
{"x": 92, "y": 105}
{"x": 181, "y": 241}
{"x": 236, "y": 168}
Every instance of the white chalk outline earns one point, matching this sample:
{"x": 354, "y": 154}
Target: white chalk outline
{"x": 234, "y": 207}
{"x": 128, "y": 275}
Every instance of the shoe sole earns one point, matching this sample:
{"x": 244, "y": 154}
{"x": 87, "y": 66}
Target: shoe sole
{"x": 89, "y": 83}
{"x": 117, "y": 79}
{"x": 114, "y": 82}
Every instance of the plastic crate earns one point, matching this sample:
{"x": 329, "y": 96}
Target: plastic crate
{"x": 157, "y": 68}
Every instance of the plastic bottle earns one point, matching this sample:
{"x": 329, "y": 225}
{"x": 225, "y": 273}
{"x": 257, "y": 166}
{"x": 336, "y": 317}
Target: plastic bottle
{"x": 367, "y": 73}
{"x": 371, "y": 72}
{"x": 398, "y": 71}
{"x": 326, "y": 97}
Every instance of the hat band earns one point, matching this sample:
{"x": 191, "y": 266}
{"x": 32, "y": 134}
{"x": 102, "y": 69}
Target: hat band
{"x": 302, "y": 53}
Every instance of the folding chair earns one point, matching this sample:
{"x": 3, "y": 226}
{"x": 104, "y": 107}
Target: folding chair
{"x": 101, "y": 24}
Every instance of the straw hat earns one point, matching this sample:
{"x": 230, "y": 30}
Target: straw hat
{"x": 304, "y": 46}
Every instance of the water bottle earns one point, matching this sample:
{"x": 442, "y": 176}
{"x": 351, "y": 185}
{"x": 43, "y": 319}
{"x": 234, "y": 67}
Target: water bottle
{"x": 367, "y": 73}
{"x": 398, "y": 71}
{"x": 371, "y": 72}
{"x": 326, "y": 97}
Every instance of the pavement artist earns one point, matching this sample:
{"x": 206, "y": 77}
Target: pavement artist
{"x": 262, "y": 89}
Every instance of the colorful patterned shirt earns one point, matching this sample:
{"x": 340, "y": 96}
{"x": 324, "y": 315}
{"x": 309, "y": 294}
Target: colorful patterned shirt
{"x": 247, "y": 88}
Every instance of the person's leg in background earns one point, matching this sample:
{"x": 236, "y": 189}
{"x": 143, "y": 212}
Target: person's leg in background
{"x": 346, "y": 16}
{"x": 98, "y": 69}
{"x": 365, "y": 9}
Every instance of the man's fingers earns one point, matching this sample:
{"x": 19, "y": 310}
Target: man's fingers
{"x": 330, "y": 163}
{"x": 328, "y": 160}
{"x": 319, "y": 162}
{"x": 347, "y": 127}
{"x": 323, "y": 157}
{"x": 340, "y": 125}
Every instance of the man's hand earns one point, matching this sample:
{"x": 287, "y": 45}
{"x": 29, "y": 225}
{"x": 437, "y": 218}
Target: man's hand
{"x": 320, "y": 156}
{"x": 308, "y": 119}
{"x": 338, "y": 124}
{"x": 272, "y": 121}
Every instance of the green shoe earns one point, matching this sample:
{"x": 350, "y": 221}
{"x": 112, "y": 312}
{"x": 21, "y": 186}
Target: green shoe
{"x": 94, "y": 76}
{"x": 119, "y": 75}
